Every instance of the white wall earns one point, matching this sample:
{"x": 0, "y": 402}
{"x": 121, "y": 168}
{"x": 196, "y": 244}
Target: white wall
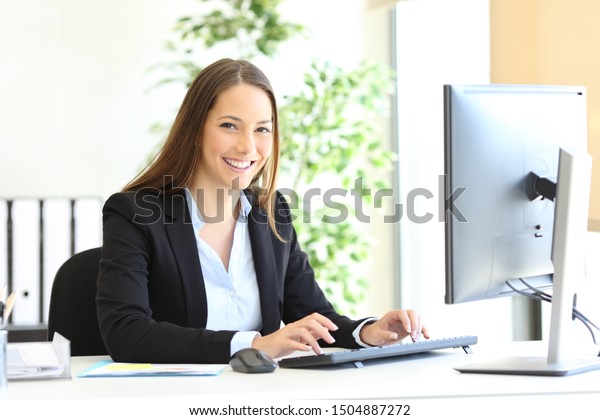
{"x": 74, "y": 101}
{"x": 73, "y": 104}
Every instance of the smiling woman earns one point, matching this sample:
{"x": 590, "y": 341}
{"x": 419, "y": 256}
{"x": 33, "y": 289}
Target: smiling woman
{"x": 200, "y": 257}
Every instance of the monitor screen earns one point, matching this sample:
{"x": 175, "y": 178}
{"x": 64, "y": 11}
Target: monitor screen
{"x": 498, "y": 229}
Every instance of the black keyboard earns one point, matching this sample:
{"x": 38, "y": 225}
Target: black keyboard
{"x": 357, "y": 356}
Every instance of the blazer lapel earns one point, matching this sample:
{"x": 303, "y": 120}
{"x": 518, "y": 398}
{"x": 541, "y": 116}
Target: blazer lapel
{"x": 271, "y": 303}
{"x": 185, "y": 249}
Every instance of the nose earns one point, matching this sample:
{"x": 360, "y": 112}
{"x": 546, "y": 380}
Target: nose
{"x": 245, "y": 144}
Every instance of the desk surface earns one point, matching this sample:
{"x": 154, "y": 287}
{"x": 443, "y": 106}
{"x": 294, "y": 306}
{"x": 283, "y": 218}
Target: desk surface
{"x": 417, "y": 376}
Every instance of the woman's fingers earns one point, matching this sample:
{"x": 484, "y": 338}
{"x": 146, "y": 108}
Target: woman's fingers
{"x": 319, "y": 331}
{"x": 302, "y": 335}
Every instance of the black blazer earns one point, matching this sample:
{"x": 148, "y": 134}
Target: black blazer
{"x": 151, "y": 300}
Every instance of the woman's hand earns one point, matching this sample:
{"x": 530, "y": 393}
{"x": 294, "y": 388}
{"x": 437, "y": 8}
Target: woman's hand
{"x": 393, "y": 327}
{"x": 300, "y": 335}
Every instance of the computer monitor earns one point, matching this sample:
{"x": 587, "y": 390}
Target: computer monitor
{"x": 511, "y": 210}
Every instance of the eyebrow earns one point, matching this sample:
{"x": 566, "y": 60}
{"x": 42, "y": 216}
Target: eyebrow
{"x": 233, "y": 117}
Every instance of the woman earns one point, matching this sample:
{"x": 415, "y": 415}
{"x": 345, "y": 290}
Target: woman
{"x": 200, "y": 258}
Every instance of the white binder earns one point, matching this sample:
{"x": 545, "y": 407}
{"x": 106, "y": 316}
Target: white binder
{"x": 26, "y": 261}
{"x": 88, "y": 223}
{"x": 3, "y": 248}
{"x": 57, "y": 242}
{"x": 39, "y": 248}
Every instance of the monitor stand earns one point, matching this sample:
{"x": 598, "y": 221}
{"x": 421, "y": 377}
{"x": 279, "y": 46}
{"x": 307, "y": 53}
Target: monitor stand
{"x": 533, "y": 366}
{"x": 568, "y": 256}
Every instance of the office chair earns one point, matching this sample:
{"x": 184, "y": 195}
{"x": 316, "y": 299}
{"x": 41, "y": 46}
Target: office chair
{"x": 72, "y": 311}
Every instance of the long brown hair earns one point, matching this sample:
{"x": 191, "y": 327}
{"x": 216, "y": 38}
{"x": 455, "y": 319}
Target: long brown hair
{"x": 177, "y": 160}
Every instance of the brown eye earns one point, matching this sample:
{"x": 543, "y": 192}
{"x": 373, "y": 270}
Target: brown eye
{"x": 227, "y": 125}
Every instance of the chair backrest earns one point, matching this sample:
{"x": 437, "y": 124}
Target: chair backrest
{"x": 72, "y": 311}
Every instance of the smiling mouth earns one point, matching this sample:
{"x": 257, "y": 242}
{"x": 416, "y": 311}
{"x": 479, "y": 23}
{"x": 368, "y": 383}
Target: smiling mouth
{"x": 238, "y": 164}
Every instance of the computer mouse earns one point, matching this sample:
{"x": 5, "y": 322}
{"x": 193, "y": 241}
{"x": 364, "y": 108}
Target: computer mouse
{"x": 251, "y": 360}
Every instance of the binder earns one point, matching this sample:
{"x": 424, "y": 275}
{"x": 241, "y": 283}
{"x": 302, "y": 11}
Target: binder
{"x": 56, "y": 243}
{"x": 26, "y": 261}
{"x": 37, "y": 235}
{"x": 88, "y": 223}
{"x": 3, "y": 244}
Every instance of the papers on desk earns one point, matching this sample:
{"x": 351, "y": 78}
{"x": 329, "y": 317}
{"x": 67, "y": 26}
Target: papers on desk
{"x": 114, "y": 369}
{"x": 39, "y": 360}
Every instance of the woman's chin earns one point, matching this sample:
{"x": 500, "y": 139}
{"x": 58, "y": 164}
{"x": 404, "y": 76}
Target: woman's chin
{"x": 240, "y": 183}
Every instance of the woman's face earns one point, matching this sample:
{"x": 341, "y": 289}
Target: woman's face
{"x": 237, "y": 138}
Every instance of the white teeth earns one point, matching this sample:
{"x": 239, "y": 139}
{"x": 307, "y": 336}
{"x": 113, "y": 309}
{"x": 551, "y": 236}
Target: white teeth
{"x": 238, "y": 164}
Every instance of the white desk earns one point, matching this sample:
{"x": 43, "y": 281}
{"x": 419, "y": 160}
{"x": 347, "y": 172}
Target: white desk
{"x": 427, "y": 382}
